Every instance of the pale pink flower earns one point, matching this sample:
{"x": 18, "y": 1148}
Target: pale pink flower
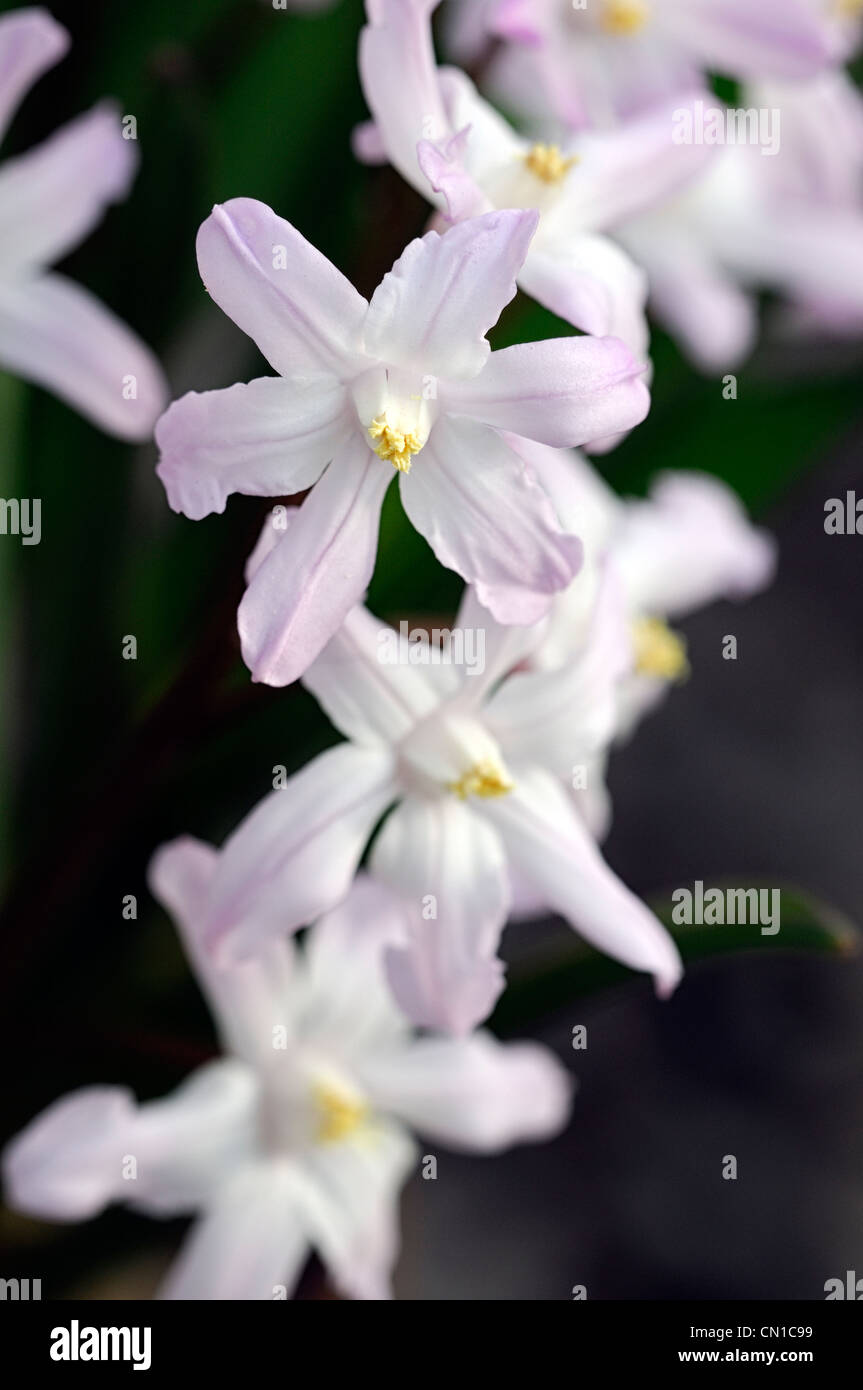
{"x": 52, "y": 331}
{"x": 791, "y": 222}
{"x": 472, "y": 764}
{"x": 404, "y": 385}
{"x": 600, "y": 61}
{"x": 456, "y": 149}
{"x": 299, "y": 1137}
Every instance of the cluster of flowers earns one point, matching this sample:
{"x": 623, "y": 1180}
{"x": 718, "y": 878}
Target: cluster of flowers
{"x": 458, "y": 795}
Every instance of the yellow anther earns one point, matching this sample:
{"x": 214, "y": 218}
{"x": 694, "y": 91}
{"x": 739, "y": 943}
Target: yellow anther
{"x": 339, "y": 1115}
{"x": 483, "y": 779}
{"x": 398, "y": 446}
{"x": 659, "y": 652}
{"x": 548, "y": 164}
{"x": 624, "y": 16}
{"x": 848, "y": 9}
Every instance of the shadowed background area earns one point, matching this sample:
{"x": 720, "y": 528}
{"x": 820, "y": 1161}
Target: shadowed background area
{"x": 749, "y": 772}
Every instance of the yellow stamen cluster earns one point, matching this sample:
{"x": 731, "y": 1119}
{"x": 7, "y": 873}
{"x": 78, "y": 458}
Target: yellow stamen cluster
{"x": 395, "y": 445}
{"x": 624, "y": 16}
{"x": 659, "y": 652}
{"x": 848, "y": 9}
{"x": 484, "y": 779}
{"x": 548, "y": 164}
{"x": 339, "y": 1116}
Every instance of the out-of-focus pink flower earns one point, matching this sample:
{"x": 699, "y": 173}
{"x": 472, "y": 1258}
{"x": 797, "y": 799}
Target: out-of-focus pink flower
{"x": 686, "y": 545}
{"x": 406, "y": 383}
{"x": 441, "y": 135}
{"x": 596, "y": 62}
{"x": 791, "y": 221}
{"x": 52, "y": 331}
{"x": 300, "y": 1136}
{"x": 473, "y": 763}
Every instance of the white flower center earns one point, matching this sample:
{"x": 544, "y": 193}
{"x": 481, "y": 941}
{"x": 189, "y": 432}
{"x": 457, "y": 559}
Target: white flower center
{"x": 453, "y": 754}
{"x": 397, "y": 410}
{"x": 618, "y": 17}
{"x": 308, "y": 1102}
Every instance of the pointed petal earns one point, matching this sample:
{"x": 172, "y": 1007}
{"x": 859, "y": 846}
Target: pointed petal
{"x": 51, "y": 197}
{"x": 548, "y": 843}
{"x": 558, "y": 719}
{"x": 441, "y": 858}
{"x": 689, "y": 544}
{"x": 248, "y": 998}
{"x": 474, "y": 1093}
{"x": 349, "y": 1202}
{"x": 346, "y": 994}
{"x": 443, "y": 164}
{"x": 295, "y": 854}
{"x": 56, "y": 334}
{"x": 364, "y": 681}
{"x": 593, "y": 284}
{"x": 31, "y": 42}
{"x": 562, "y": 391}
{"x": 431, "y": 312}
{"x": 270, "y": 438}
{"x": 248, "y": 1245}
{"x": 485, "y": 516}
{"x": 399, "y": 80}
{"x": 310, "y": 581}
{"x": 302, "y": 312}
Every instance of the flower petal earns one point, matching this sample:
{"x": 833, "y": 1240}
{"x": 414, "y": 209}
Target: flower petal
{"x": 51, "y": 197}
{"x": 621, "y": 172}
{"x": 593, "y": 284}
{"x": 562, "y": 391}
{"x": 474, "y": 1093}
{"x": 431, "y": 312}
{"x": 310, "y": 581}
{"x": 249, "y": 1244}
{"x": 364, "y": 681}
{"x": 302, "y": 312}
{"x": 349, "y": 1205}
{"x": 558, "y": 719}
{"x": 55, "y": 333}
{"x": 31, "y": 42}
{"x": 346, "y": 995}
{"x": 270, "y": 438}
{"x": 548, "y": 843}
{"x": 246, "y": 999}
{"x": 782, "y": 38}
{"x": 294, "y": 856}
{"x": 96, "y": 1146}
{"x": 485, "y": 516}
{"x": 688, "y": 544}
{"x": 443, "y": 860}
{"x": 399, "y": 80}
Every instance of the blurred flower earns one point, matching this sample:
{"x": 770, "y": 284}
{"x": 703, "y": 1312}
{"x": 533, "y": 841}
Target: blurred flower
{"x": 474, "y": 763}
{"x": 599, "y": 61}
{"x": 299, "y": 1136}
{"x": 441, "y": 135}
{"x": 52, "y": 331}
{"x": 686, "y": 545}
{"x": 792, "y": 222}
{"x": 407, "y": 382}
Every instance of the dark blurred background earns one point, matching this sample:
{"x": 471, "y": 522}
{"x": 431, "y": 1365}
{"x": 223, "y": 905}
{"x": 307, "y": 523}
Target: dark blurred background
{"x": 749, "y": 772}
